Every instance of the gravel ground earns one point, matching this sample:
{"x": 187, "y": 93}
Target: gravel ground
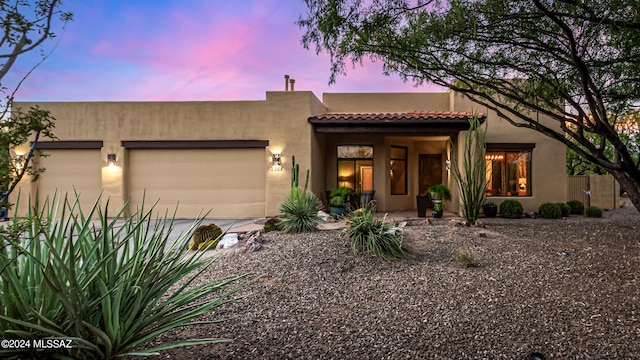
{"x": 315, "y": 299}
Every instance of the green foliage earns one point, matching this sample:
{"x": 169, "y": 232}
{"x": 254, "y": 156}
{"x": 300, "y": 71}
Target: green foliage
{"x": 300, "y": 209}
{"x": 205, "y": 237}
{"x": 593, "y": 211}
{"x": 18, "y": 130}
{"x": 565, "y": 209}
{"x": 110, "y": 286}
{"x": 366, "y": 233}
{"x": 339, "y": 196}
{"x": 295, "y": 175}
{"x": 300, "y": 212}
{"x": 466, "y": 257}
{"x": 511, "y": 209}
{"x": 472, "y": 183}
{"x": 525, "y": 60}
{"x": 577, "y": 207}
{"x": 550, "y": 211}
{"x": 439, "y": 192}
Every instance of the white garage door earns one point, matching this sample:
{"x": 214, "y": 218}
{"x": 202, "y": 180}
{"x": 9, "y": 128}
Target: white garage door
{"x": 229, "y": 182}
{"x": 68, "y": 169}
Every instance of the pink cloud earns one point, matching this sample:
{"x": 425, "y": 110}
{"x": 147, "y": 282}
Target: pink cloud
{"x": 204, "y": 51}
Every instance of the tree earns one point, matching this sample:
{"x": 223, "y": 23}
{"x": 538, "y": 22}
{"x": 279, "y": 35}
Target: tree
{"x": 629, "y": 131}
{"x": 577, "y": 62}
{"x": 26, "y": 25}
{"x": 16, "y": 131}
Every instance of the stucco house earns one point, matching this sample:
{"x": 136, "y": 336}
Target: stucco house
{"x": 234, "y": 157}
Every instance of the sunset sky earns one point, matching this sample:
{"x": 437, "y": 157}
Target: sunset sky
{"x": 159, "y": 50}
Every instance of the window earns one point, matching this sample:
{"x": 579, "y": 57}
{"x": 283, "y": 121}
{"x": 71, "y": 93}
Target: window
{"x": 398, "y": 172}
{"x": 508, "y": 169}
{"x": 355, "y": 167}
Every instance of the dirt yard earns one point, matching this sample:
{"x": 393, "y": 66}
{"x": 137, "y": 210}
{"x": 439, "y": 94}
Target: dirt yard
{"x": 315, "y": 299}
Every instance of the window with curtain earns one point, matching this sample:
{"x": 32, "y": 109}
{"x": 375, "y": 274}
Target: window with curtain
{"x": 508, "y": 169}
{"x": 398, "y": 170}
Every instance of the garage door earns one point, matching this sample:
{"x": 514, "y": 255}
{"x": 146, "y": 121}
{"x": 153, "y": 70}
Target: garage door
{"x": 68, "y": 169}
{"x": 229, "y": 182}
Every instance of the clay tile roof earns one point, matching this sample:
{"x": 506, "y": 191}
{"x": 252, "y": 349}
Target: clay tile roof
{"x": 396, "y": 117}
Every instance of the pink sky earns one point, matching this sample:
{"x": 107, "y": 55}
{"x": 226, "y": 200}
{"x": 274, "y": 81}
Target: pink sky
{"x": 159, "y": 50}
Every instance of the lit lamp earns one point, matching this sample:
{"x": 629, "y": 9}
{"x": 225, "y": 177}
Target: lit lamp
{"x": 276, "y": 162}
{"x": 111, "y": 160}
{"x": 522, "y": 184}
{"x": 18, "y": 161}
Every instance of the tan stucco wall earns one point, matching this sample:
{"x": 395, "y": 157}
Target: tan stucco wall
{"x": 281, "y": 119}
{"x": 549, "y": 179}
{"x": 386, "y": 102}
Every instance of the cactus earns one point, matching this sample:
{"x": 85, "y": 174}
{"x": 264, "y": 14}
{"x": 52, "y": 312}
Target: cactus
{"x": 295, "y": 175}
{"x": 205, "y": 237}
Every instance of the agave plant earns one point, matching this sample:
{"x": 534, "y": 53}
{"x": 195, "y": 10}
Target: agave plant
{"x": 109, "y": 288}
{"x": 300, "y": 212}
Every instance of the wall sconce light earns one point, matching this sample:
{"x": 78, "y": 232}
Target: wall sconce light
{"x": 447, "y": 164}
{"x": 18, "y": 161}
{"x": 111, "y": 160}
{"x": 276, "y": 162}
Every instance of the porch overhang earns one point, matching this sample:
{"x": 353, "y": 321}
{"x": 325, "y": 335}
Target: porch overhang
{"x": 401, "y": 123}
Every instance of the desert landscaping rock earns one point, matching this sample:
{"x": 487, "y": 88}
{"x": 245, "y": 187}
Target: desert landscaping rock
{"x": 314, "y": 299}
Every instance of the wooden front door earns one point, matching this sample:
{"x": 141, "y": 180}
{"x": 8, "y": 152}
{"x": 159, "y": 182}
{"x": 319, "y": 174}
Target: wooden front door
{"x": 430, "y": 172}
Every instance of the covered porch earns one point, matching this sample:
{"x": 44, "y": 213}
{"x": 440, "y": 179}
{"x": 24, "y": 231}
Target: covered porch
{"x": 395, "y": 155}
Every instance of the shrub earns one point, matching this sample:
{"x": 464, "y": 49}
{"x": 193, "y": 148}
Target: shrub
{"x": 577, "y": 207}
{"x": 105, "y": 287}
{"x": 565, "y": 209}
{"x": 550, "y": 211}
{"x": 466, "y": 257}
{"x": 365, "y": 233}
{"x": 270, "y": 225}
{"x": 300, "y": 212}
{"x": 511, "y": 209}
{"x": 593, "y": 211}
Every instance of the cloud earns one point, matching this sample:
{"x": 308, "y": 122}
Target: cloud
{"x": 206, "y": 50}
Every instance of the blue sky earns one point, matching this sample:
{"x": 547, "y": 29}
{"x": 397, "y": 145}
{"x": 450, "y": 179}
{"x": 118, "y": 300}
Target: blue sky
{"x": 161, "y": 50}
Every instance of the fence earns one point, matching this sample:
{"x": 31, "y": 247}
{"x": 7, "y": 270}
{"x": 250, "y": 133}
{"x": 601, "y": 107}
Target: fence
{"x": 594, "y": 190}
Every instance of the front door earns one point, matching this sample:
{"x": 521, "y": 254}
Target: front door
{"x": 430, "y": 172}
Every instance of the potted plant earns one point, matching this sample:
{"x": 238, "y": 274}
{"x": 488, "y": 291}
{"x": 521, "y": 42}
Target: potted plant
{"x": 490, "y": 209}
{"x": 438, "y": 192}
{"x": 337, "y": 200}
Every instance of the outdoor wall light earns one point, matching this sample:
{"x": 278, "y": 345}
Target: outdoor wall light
{"x": 276, "y": 162}
{"x": 447, "y": 164}
{"x": 18, "y": 161}
{"x": 111, "y": 160}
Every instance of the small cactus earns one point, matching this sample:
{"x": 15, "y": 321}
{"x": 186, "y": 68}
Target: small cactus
{"x": 205, "y": 237}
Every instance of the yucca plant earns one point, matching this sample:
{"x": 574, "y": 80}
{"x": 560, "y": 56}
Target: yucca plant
{"x": 300, "y": 209}
{"x": 472, "y": 182}
{"x": 300, "y": 212}
{"x": 366, "y": 233}
{"x": 109, "y": 285}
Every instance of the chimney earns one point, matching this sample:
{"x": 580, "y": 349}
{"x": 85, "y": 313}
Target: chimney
{"x": 292, "y": 83}
{"x": 286, "y": 83}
